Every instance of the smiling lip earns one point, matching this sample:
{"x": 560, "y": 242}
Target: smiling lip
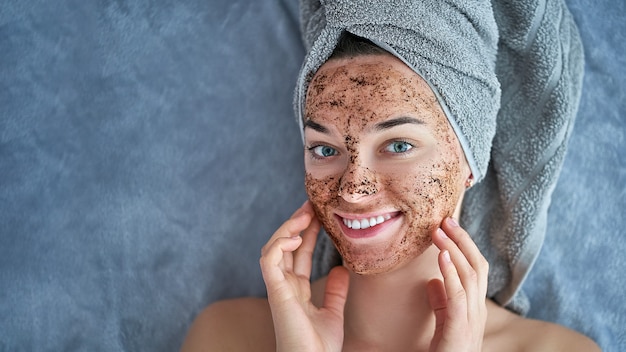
{"x": 363, "y": 226}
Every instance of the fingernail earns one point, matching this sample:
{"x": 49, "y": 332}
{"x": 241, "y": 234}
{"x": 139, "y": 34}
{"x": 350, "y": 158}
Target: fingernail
{"x": 298, "y": 213}
{"x": 446, "y": 256}
{"x": 441, "y": 233}
{"x": 452, "y": 222}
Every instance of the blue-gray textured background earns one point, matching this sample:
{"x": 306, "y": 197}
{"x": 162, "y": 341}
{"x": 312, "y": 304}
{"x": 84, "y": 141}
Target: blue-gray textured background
{"x": 148, "y": 150}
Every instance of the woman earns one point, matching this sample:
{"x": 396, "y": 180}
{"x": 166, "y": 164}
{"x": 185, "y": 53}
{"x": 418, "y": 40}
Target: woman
{"x": 385, "y": 175}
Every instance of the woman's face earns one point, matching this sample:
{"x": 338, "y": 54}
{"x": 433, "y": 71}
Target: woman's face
{"x": 383, "y": 166}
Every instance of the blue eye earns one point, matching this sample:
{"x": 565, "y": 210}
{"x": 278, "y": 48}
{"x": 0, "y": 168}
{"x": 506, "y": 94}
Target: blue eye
{"x": 323, "y": 151}
{"x": 399, "y": 147}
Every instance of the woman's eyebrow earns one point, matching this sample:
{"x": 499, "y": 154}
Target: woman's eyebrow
{"x": 397, "y": 122}
{"x": 316, "y": 126}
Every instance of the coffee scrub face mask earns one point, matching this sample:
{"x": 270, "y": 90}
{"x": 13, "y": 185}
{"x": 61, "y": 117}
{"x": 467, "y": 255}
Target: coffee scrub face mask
{"x": 383, "y": 165}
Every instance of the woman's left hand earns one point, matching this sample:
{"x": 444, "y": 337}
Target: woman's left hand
{"x": 459, "y": 301}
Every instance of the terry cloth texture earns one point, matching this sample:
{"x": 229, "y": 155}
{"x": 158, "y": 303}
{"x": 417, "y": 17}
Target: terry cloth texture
{"x": 539, "y": 67}
{"x": 415, "y": 31}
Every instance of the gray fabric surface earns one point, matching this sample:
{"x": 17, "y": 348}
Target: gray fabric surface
{"x": 148, "y": 150}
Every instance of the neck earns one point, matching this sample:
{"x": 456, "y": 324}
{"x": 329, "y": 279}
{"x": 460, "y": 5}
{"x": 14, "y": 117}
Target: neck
{"x": 392, "y": 309}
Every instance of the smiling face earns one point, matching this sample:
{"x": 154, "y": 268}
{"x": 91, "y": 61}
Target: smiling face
{"x": 383, "y": 165}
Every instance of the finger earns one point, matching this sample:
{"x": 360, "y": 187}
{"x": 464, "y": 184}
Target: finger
{"x": 303, "y": 256}
{"x": 467, "y": 275}
{"x": 438, "y": 303}
{"x": 306, "y": 210}
{"x": 300, "y": 210}
{"x": 470, "y": 251}
{"x": 290, "y": 228}
{"x": 272, "y": 257}
{"x": 467, "y": 258}
{"x": 336, "y": 291}
{"x": 456, "y": 296}
{"x": 464, "y": 242}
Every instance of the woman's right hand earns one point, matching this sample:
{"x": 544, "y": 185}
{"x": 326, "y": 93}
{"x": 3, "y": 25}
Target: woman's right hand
{"x": 286, "y": 266}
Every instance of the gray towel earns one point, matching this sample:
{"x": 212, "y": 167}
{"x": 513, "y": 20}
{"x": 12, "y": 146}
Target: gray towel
{"x": 539, "y": 66}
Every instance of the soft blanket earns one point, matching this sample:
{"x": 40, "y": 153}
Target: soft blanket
{"x": 148, "y": 150}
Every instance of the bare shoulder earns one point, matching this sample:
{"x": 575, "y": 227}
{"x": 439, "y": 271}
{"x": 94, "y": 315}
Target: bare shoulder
{"x": 546, "y": 336}
{"x": 508, "y": 329}
{"x": 243, "y": 324}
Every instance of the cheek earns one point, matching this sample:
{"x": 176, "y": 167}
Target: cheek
{"x": 430, "y": 194}
{"x": 322, "y": 192}
{"x": 435, "y": 187}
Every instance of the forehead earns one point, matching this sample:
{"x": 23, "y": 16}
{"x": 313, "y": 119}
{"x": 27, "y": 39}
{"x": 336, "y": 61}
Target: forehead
{"x": 366, "y": 88}
{"x": 371, "y": 73}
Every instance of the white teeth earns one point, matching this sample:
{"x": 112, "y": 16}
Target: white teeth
{"x": 358, "y": 224}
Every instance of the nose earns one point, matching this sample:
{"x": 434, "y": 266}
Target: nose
{"x": 357, "y": 184}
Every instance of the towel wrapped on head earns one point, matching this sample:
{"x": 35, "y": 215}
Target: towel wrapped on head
{"x": 454, "y": 46}
{"x": 414, "y": 31}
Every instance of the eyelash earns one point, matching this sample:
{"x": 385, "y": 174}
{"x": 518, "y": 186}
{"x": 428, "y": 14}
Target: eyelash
{"x": 390, "y": 143}
{"x": 317, "y": 156}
